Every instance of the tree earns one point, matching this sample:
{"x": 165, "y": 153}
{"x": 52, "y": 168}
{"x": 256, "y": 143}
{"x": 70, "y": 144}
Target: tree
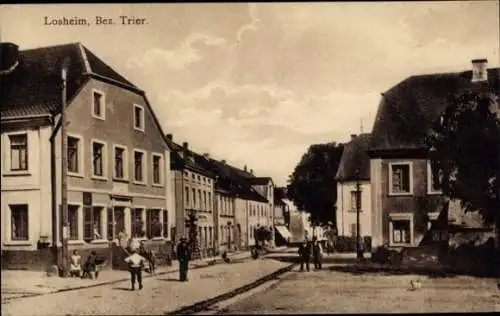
{"x": 312, "y": 185}
{"x": 464, "y": 147}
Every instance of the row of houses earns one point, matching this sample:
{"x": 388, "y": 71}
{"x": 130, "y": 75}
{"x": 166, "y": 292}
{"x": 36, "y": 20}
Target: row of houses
{"x": 126, "y": 176}
{"x": 401, "y": 201}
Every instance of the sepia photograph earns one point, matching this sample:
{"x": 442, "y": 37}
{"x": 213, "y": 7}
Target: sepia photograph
{"x": 250, "y": 158}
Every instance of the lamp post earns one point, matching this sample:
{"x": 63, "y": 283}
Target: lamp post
{"x": 228, "y": 236}
{"x": 359, "y": 250}
{"x": 64, "y": 172}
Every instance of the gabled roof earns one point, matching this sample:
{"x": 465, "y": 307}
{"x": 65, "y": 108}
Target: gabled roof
{"x": 34, "y": 86}
{"x": 230, "y": 180}
{"x": 193, "y": 161}
{"x": 355, "y": 157}
{"x": 408, "y": 110}
{"x": 259, "y": 180}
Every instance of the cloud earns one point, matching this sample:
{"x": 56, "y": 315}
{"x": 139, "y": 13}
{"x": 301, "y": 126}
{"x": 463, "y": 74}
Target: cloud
{"x": 252, "y": 26}
{"x": 184, "y": 54}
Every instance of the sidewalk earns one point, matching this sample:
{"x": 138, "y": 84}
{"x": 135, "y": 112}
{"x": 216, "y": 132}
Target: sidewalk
{"x": 161, "y": 295}
{"x": 20, "y": 283}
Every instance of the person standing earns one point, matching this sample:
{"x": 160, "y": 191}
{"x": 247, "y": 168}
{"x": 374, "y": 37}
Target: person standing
{"x": 183, "y": 256}
{"x": 136, "y": 263}
{"x": 317, "y": 253}
{"x": 304, "y": 254}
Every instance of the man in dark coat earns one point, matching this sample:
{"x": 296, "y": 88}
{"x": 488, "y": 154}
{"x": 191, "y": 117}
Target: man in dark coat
{"x": 183, "y": 256}
{"x": 304, "y": 254}
{"x": 317, "y": 253}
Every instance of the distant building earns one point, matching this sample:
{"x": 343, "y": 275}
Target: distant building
{"x": 194, "y": 194}
{"x": 354, "y": 158}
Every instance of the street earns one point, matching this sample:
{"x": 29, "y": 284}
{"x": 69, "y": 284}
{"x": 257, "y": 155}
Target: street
{"x": 161, "y": 294}
{"x": 336, "y": 292}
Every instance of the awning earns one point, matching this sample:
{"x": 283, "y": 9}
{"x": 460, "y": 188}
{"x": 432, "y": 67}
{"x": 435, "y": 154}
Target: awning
{"x": 284, "y": 232}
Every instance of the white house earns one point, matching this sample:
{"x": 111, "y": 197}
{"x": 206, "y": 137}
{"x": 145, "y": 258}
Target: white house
{"x": 354, "y": 158}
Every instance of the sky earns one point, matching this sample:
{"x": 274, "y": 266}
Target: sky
{"x": 257, "y": 84}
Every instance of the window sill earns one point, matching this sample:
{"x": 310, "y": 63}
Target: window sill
{"x": 100, "y": 178}
{"x": 400, "y": 245}
{"x": 102, "y": 118}
{"x": 123, "y": 180}
{"x": 21, "y": 173}
{"x": 18, "y": 243}
{"x": 75, "y": 174}
{"x": 400, "y": 193}
{"x": 158, "y": 185}
{"x": 158, "y": 238}
{"x": 99, "y": 241}
{"x": 434, "y": 193}
{"x": 354, "y": 211}
{"x": 138, "y": 129}
{"x": 76, "y": 242}
{"x": 139, "y": 183}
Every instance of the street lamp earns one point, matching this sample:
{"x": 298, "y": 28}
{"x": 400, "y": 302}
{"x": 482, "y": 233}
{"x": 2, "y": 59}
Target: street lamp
{"x": 359, "y": 250}
{"x": 229, "y": 235}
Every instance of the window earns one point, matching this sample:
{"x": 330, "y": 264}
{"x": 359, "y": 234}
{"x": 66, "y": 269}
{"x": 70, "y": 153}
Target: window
{"x": 116, "y": 221}
{"x": 157, "y": 169}
{"x": 210, "y": 236}
{"x": 153, "y": 223}
{"x": 73, "y": 151}
{"x": 401, "y": 228}
{"x": 209, "y": 202}
{"x": 139, "y": 166}
{"x": 97, "y": 222}
{"x": 400, "y": 178}
{"x": 205, "y": 236}
{"x": 353, "y": 200}
{"x": 199, "y": 179}
{"x": 165, "y": 223}
{"x": 19, "y": 221}
{"x": 120, "y": 162}
{"x": 354, "y": 229}
{"x": 18, "y": 152}
{"x": 205, "y": 200}
{"x": 138, "y": 117}
{"x": 137, "y": 223}
{"x": 73, "y": 221}
{"x": 98, "y": 159}
{"x": 433, "y": 180}
{"x": 186, "y": 189}
{"x": 194, "y": 198}
{"x": 98, "y": 109}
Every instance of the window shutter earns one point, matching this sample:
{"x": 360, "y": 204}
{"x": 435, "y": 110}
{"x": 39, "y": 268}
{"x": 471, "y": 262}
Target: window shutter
{"x": 88, "y": 223}
{"x": 149, "y": 228}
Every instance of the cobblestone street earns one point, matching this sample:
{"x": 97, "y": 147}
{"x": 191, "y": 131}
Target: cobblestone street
{"x": 335, "y": 292}
{"x": 160, "y": 295}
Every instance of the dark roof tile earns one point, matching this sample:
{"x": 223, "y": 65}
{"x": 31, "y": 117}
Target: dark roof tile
{"x": 408, "y": 110}
{"x": 354, "y": 156}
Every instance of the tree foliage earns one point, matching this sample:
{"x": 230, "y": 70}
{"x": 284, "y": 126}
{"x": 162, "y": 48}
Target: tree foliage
{"x": 464, "y": 147}
{"x": 312, "y": 185}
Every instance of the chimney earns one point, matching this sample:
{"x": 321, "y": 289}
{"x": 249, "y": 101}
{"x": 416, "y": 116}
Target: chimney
{"x": 207, "y": 156}
{"x": 223, "y": 161}
{"x": 353, "y": 136}
{"x": 479, "y": 70}
{"x": 245, "y": 168}
{"x": 251, "y": 171}
{"x": 9, "y": 54}
{"x": 185, "y": 150}
{"x": 170, "y": 137}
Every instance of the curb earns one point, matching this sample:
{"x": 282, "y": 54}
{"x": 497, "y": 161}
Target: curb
{"x": 204, "y": 305}
{"x": 196, "y": 267}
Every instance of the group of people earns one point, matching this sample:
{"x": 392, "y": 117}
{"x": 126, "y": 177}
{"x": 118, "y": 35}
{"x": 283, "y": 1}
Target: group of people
{"x": 137, "y": 263}
{"x": 309, "y": 249}
{"x": 90, "y": 268}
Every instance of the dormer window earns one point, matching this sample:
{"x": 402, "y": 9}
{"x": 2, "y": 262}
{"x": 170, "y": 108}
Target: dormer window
{"x": 139, "y": 117}
{"x": 98, "y": 104}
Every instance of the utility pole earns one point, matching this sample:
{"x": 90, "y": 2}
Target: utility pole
{"x": 64, "y": 172}
{"x": 359, "y": 251}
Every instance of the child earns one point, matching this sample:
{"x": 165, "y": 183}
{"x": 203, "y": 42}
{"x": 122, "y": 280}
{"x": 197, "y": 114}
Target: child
{"x": 136, "y": 264}
{"x": 76, "y": 266}
{"x": 90, "y": 267}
